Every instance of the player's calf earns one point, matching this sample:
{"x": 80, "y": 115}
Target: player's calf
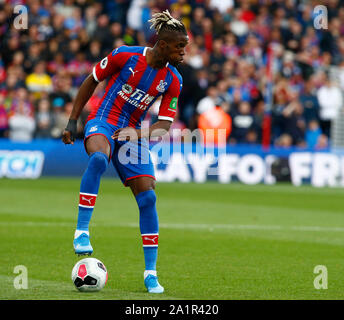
{"x": 87, "y": 198}
{"x": 149, "y": 227}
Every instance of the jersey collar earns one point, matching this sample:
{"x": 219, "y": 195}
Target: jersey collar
{"x": 144, "y": 54}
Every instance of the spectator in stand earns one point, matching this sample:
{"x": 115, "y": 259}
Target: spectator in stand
{"x": 243, "y": 122}
{"x": 330, "y": 101}
{"x": 65, "y": 8}
{"x": 56, "y": 64}
{"x": 10, "y": 45}
{"x": 18, "y": 59}
{"x": 79, "y": 68}
{"x": 94, "y": 52}
{"x": 222, "y": 6}
{"x": 223, "y": 96}
{"x": 217, "y": 59}
{"x": 60, "y": 116}
{"x": 229, "y": 41}
{"x": 183, "y": 10}
{"x": 293, "y": 35}
{"x": 33, "y": 57}
{"x": 201, "y": 86}
{"x": 195, "y": 57}
{"x": 90, "y": 15}
{"x": 102, "y": 32}
{"x": 44, "y": 120}
{"x": 39, "y": 81}
{"x": 3, "y": 117}
{"x": 11, "y": 83}
{"x": 251, "y": 137}
{"x": 21, "y": 100}
{"x": 135, "y": 13}
{"x": 186, "y": 101}
{"x": 72, "y": 49}
{"x": 309, "y": 101}
{"x": 313, "y": 133}
{"x": 21, "y": 125}
{"x": 207, "y": 33}
{"x": 322, "y": 142}
{"x": 74, "y": 22}
{"x": 116, "y": 30}
{"x": 209, "y": 101}
{"x": 196, "y": 27}
{"x": 212, "y": 119}
{"x": 45, "y": 29}
{"x": 2, "y": 71}
{"x": 60, "y": 96}
{"x": 281, "y": 99}
{"x": 284, "y": 141}
{"x": 258, "y": 113}
{"x": 230, "y": 48}
{"x": 293, "y": 122}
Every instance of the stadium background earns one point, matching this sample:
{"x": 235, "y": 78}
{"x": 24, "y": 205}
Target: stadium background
{"x": 264, "y": 64}
{"x": 260, "y": 69}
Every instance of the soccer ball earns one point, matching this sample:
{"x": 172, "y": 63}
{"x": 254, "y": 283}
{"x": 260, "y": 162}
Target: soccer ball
{"x": 89, "y": 274}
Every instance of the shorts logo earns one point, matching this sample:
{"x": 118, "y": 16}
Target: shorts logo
{"x": 126, "y": 88}
{"x": 104, "y": 63}
{"x": 173, "y": 103}
{"x": 161, "y": 86}
{"x": 93, "y": 129}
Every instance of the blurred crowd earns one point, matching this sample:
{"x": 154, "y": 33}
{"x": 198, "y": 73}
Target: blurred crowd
{"x": 246, "y": 59}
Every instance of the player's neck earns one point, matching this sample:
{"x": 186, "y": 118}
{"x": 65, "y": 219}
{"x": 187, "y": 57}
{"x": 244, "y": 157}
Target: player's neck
{"x": 154, "y": 59}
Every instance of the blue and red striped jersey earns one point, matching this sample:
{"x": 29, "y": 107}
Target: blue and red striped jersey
{"x": 133, "y": 87}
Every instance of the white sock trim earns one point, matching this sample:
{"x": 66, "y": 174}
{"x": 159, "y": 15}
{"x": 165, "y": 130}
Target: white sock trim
{"x": 147, "y": 272}
{"x": 79, "y": 232}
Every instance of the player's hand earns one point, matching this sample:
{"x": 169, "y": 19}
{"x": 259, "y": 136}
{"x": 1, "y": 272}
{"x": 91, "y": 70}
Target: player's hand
{"x": 69, "y": 134}
{"x": 126, "y": 134}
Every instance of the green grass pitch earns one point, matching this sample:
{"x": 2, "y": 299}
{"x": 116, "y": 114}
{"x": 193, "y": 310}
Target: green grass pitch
{"x": 216, "y": 241}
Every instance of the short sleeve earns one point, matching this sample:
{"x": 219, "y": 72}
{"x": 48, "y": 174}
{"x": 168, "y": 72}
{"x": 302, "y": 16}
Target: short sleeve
{"x": 169, "y": 102}
{"x": 111, "y": 64}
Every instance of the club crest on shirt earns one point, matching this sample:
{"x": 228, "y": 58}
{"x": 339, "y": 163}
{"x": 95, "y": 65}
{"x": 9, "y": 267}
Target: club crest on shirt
{"x": 161, "y": 86}
{"x": 126, "y": 88}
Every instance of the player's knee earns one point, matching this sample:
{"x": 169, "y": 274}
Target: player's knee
{"x": 98, "y": 162}
{"x": 146, "y": 199}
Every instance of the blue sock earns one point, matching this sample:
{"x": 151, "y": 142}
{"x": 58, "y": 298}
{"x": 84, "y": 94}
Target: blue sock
{"x": 89, "y": 187}
{"x": 149, "y": 227}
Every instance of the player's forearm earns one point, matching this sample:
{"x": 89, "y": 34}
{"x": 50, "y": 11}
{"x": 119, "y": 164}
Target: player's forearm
{"x": 84, "y": 94}
{"x": 158, "y": 129}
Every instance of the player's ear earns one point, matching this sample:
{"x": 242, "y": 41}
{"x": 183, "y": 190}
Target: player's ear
{"x": 162, "y": 44}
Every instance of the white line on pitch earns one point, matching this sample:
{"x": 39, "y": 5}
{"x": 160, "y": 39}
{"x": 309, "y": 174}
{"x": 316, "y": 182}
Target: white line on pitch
{"x": 211, "y": 227}
{"x": 198, "y": 226}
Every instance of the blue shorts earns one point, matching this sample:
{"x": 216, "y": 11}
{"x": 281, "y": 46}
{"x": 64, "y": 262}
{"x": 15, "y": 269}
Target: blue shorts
{"x": 131, "y": 159}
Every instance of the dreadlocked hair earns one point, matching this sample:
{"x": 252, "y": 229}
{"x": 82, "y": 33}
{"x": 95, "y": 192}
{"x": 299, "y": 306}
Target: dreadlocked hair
{"x": 162, "y": 21}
